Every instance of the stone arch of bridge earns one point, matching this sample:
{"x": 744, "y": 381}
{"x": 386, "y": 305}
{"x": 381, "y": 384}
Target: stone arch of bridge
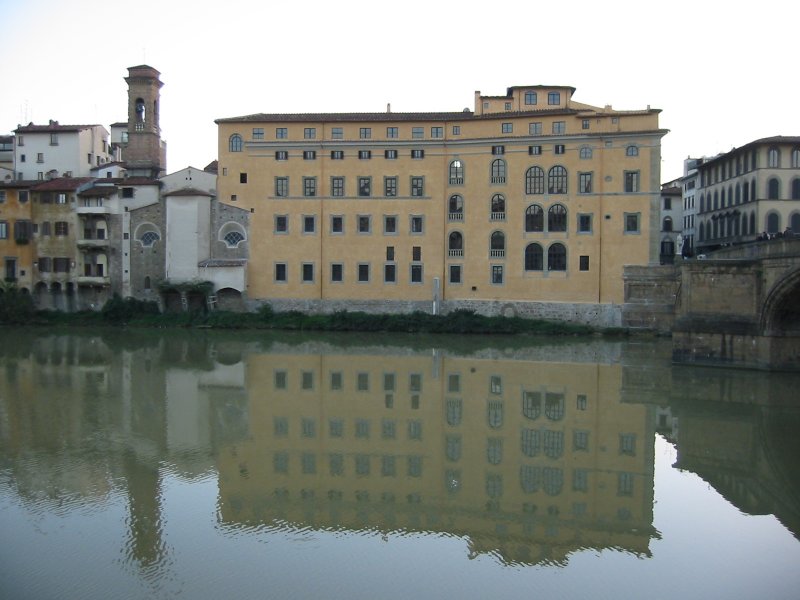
{"x": 780, "y": 314}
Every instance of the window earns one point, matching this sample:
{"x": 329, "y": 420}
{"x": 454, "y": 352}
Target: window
{"x": 534, "y": 219}
{"x": 309, "y": 154}
{"x": 418, "y": 186}
{"x": 365, "y": 154}
{"x": 632, "y": 151}
{"x": 309, "y": 186}
{"x": 147, "y": 239}
{"x": 631, "y": 181}
{"x": 390, "y": 154}
{"x": 557, "y": 218}
{"x": 44, "y": 264}
{"x": 337, "y": 224}
{"x": 498, "y": 208}
{"x": 337, "y": 272}
{"x": 390, "y": 273}
{"x": 45, "y": 228}
{"x": 507, "y": 128}
{"x": 365, "y": 133}
{"x": 364, "y": 223}
{"x": 796, "y": 158}
{"x": 773, "y": 158}
{"x": 508, "y": 105}
{"x": 281, "y": 155}
{"x": 364, "y": 186}
{"x": 40, "y": 157}
{"x": 418, "y": 154}
{"x": 584, "y": 263}
{"x": 631, "y": 222}
{"x": 392, "y": 132}
{"x": 235, "y": 143}
{"x": 586, "y": 152}
{"x": 498, "y": 171}
{"x": 535, "y": 128}
{"x": 390, "y": 224}
{"x": 281, "y": 224}
{"x": 309, "y": 133}
{"x": 417, "y": 133}
{"x": 498, "y": 150}
{"x": 309, "y": 224}
{"x": 61, "y": 228}
{"x": 281, "y": 133}
{"x": 23, "y": 196}
{"x": 242, "y": 177}
{"x": 337, "y": 187}
{"x": 557, "y": 180}
{"x": 281, "y": 187}
{"x": 534, "y": 257}
{"x": 416, "y": 273}
{"x": 584, "y": 183}
{"x": 456, "y": 129}
{"x": 497, "y": 245}
{"x": 3, "y": 230}
{"x": 337, "y": 133}
{"x": 557, "y": 257}
{"x": 773, "y": 189}
{"x": 559, "y": 149}
{"x": 497, "y": 274}
{"x": 280, "y": 272}
{"x": 456, "y": 172}
{"x": 668, "y": 203}
{"x": 308, "y": 272}
{"x": 437, "y": 132}
{"x": 554, "y": 98}
{"x": 584, "y": 223}
{"x": 585, "y": 124}
{"x": 416, "y": 253}
{"x": 534, "y": 181}
{"x": 337, "y": 154}
{"x": 417, "y": 224}
{"x": 530, "y": 98}
{"x": 390, "y": 187}
{"x": 666, "y": 224}
{"x": 455, "y": 244}
{"x": 363, "y": 272}
{"x": 534, "y": 150}
{"x": 455, "y": 273}
{"x": 233, "y": 239}
{"x": 559, "y": 127}
{"x": 258, "y": 133}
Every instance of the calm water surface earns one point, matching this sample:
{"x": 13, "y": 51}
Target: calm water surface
{"x": 210, "y": 465}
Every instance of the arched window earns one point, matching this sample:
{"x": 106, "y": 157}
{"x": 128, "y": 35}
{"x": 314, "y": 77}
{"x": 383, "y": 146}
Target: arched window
{"x": 498, "y": 207}
{"x": 632, "y": 150}
{"x": 773, "y": 189}
{"x": 796, "y": 188}
{"x": 534, "y": 181}
{"x": 554, "y": 406}
{"x": 149, "y": 238}
{"x": 667, "y": 225}
{"x": 455, "y": 244}
{"x": 529, "y": 477}
{"x": 753, "y": 197}
{"x": 708, "y": 230}
{"x": 456, "y": 172}
{"x": 497, "y": 245}
{"x": 553, "y": 443}
{"x": 534, "y": 218}
{"x": 531, "y": 404}
{"x": 744, "y": 224}
{"x": 746, "y": 192}
{"x": 557, "y": 218}
{"x": 552, "y": 476}
{"x": 455, "y": 208}
{"x": 730, "y": 195}
{"x": 586, "y": 152}
{"x": 557, "y": 180}
{"x": 773, "y": 222}
{"x": 494, "y": 414}
{"x": 498, "y": 171}
{"x": 702, "y": 232}
{"x": 534, "y": 258}
{"x": 140, "y": 112}
{"x": 716, "y": 199}
{"x": 738, "y": 194}
{"x": 716, "y": 229}
{"x": 235, "y": 143}
{"x": 796, "y": 158}
{"x": 147, "y": 283}
{"x": 722, "y": 198}
{"x": 773, "y": 158}
{"x": 494, "y": 451}
{"x": 557, "y": 257}
{"x": 794, "y": 223}
{"x": 752, "y": 223}
{"x": 702, "y": 203}
{"x": 233, "y": 238}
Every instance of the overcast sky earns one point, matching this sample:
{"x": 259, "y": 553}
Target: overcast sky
{"x": 723, "y": 74}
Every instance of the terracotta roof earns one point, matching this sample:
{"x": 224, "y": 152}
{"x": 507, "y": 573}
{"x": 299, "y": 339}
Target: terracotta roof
{"x": 212, "y": 167}
{"x": 386, "y": 116}
{"x": 139, "y": 181}
{"x": 108, "y": 164}
{"x": 61, "y": 184}
{"x": 52, "y": 127}
{"x": 189, "y": 192}
{"x": 99, "y": 191}
{"x": 222, "y": 262}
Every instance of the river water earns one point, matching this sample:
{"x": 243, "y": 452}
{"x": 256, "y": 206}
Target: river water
{"x": 209, "y": 465}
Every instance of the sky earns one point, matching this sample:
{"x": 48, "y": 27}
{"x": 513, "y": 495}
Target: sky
{"x": 723, "y": 74}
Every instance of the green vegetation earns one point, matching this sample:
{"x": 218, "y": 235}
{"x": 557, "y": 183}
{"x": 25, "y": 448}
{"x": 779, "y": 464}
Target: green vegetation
{"x": 17, "y": 308}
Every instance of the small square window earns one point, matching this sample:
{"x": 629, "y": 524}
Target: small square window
{"x": 418, "y": 154}
{"x": 337, "y": 224}
{"x": 308, "y": 272}
{"x": 337, "y": 133}
{"x": 498, "y": 150}
{"x": 281, "y": 133}
{"x": 258, "y": 133}
{"x": 281, "y": 155}
{"x": 530, "y": 98}
{"x": 281, "y": 224}
{"x": 534, "y": 150}
{"x": 280, "y": 272}
{"x": 309, "y": 133}
{"x": 365, "y": 133}
{"x": 392, "y": 132}
{"x": 390, "y": 154}
{"x": 507, "y": 128}
{"x": 365, "y": 154}
{"x": 559, "y": 149}
{"x": 456, "y": 129}
{"x": 584, "y": 263}
{"x": 309, "y": 224}
{"x": 508, "y": 105}
{"x": 309, "y": 154}
{"x": 337, "y": 154}
{"x": 417, "y": 133}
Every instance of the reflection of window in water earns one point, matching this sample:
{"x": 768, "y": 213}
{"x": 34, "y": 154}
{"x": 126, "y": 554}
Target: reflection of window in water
{"x": 530, "y": 478}
{"x": 531, "y": 404}
{"x": 336, "y": 380}
{"x": 362, "y": 428}
{"x": 496, "y": 384}
{"x": 580, "y": 480}
{"x": 388, "y": 466}
{"x": 453, "y": 410}
{"x": 281, "y": 426}
{"x": 308, "y": 380}
{"x": 582, "y": 402}
{"x": 362, "y": 384}
{"x": 308, "y": 428}
{"x": 581, "y": 440}
{"x": 553, "y": 481}
{"x": 336, "y": 463}
{"x": 453, "y": 383}
{"x": 494, "y": 414}
{"x": 554, "y": 406}
{"x": 415, "y": 430}
{"x": 627, "y": 443}
{"x": 362, "y": 465}
{"x": 415, "y": 466}
{"x": 531, "y": 442}
{"x": 415, "y": 402}
{"x": 280, "y": 462}
{"x": 388, "y": 429}
{"x": 309, "y": 462}
{"x": 452, "y": 480}
{"x": 388, "y": 382}
{"x": 336, "y": 427}
{"x": 453, "y": 447}
{"x": 625, "y": 484}
{"x": 553, "y": 443}
{"x": 415, "y": 382}
{"x": 388, "y": 401}
{"x": 494, "y": 451}
{"x": 281, "y": 380}
{"x": 494, "y": 485}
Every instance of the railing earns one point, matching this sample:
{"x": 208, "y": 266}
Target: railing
{"x": 455, "y": 252}
{"x": 498, "y": 216}
{"x": 455, "y": 216}
{"x": 498, "y": 179}
{"x": 497, "y": 253}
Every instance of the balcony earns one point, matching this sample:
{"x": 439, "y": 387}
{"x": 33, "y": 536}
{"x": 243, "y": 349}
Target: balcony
{"x": 497, "y": 253}
{"x": 93, "y": 210}
{"x": 498, "y": 216}
{"x": 94, "y": 280}
{"x": 455, "y": 253}
{"x": 88, "y": 243}
{"x": 455, "y": 216}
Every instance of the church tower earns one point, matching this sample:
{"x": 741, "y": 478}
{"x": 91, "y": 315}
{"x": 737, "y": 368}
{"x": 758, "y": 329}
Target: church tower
{"x": 144, "y": 153}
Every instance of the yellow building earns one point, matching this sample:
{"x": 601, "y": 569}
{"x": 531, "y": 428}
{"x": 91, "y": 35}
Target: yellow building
{"x": 16, "y": 233}
{"x": 531, "y": 204}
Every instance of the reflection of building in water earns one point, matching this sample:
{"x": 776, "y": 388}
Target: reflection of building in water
{"x": 528, "y": 460}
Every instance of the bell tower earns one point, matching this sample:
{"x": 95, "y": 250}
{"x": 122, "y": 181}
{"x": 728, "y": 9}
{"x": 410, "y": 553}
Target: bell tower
{"x": 144, "y": 153}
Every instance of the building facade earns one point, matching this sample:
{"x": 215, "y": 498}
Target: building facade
{"x": 529, "y": 205}
{"x": 749, "y": 193}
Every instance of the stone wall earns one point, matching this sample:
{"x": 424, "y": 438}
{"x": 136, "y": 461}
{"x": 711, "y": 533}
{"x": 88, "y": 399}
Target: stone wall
{"x": 651, "y": 297}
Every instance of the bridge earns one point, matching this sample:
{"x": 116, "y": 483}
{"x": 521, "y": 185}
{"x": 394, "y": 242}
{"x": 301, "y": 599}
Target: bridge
{"x": 738, "y": 307}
